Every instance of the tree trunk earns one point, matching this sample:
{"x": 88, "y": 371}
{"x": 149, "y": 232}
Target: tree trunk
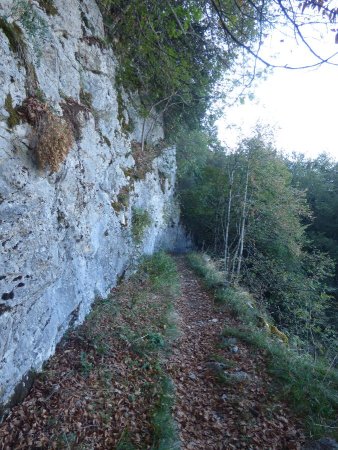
{"x": 243, "y": 220}
{"x": 226, "y": 239}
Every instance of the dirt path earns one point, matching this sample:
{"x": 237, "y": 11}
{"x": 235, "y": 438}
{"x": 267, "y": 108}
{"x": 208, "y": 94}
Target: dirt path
{"x": 99, "y": 391}
{"x": 212, "y": 414}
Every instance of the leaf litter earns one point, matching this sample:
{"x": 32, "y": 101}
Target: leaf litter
{"x": 100, "y": 388}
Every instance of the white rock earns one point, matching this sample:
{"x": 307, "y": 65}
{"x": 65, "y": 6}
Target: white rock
{"x": 62, "y": 242}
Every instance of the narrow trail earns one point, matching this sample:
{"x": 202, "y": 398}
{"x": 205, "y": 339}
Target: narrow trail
{"x": 98, "y": 392}
{"x": 212, "y": 414}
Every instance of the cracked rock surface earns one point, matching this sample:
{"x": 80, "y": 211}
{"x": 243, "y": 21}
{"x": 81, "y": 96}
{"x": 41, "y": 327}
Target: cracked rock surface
{"x": 65, "y": 238}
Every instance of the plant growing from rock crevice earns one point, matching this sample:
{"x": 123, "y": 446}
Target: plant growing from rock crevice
{"x": 51, "y": 138}
{"x": 14, "y": 117}
{"x": 14, "y": 35}
{"x": 140, "y": 221}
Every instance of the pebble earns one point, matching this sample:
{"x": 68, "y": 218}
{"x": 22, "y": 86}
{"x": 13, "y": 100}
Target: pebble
{"x": 239, "y": 376}
{"x": 215, "y": 365}
{"x": 229, "y": 341}
{"x": 192, "y": 376}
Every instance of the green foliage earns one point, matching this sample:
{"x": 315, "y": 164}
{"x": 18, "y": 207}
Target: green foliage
{"x": 140, "y": 221}
{"x": 86, "y": 365}
{"x": 276, "y": 266}
{"x": 174, "y": 53}
{"x": 14, "y": 118}
{"x": 125, "y": 442}
{"x": 319, "y": 179}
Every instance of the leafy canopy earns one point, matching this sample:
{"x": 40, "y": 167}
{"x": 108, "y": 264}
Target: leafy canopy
{"x": 175, "y": 52}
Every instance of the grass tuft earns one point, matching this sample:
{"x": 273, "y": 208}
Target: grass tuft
{"x": 164, "y": 429}
{"x": 13, "y": 118}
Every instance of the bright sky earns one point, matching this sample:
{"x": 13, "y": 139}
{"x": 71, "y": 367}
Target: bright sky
{"x": 300, "y": 105}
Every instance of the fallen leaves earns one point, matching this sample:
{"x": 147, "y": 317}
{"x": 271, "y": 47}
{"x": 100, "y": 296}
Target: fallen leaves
{"x": 100, "y": 387}
{"x": 215, "y": 415}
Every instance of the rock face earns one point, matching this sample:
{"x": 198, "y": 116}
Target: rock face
{"x": 66, "y": 237}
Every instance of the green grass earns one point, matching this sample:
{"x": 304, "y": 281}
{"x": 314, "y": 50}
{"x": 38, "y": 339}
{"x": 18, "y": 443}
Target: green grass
{"x": 162, "y": 273}
{"x": 310, "y": 387}
{"x": 211, "y": 278}
{"x": 125, "y": 442}
{"x": 14, "y": 118}
{"x": 164, "y": 428}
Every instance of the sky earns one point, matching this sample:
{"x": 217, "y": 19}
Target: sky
{"x": 300, "y": 105}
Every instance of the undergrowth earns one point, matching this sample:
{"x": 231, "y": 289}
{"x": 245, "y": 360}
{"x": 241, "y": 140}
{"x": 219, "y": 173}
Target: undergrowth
{"x": 310, "y": 387}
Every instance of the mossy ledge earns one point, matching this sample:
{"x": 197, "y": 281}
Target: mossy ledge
{"x": 14, "y": 35}
{"x": 14, "y": 118}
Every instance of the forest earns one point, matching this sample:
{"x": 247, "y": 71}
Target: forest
{"x": 270, "y": 220}
{"x": 272, "y": 223}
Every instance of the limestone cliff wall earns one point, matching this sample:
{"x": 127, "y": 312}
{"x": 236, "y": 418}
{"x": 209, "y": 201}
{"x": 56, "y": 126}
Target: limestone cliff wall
{"x": 66, "y": 237}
